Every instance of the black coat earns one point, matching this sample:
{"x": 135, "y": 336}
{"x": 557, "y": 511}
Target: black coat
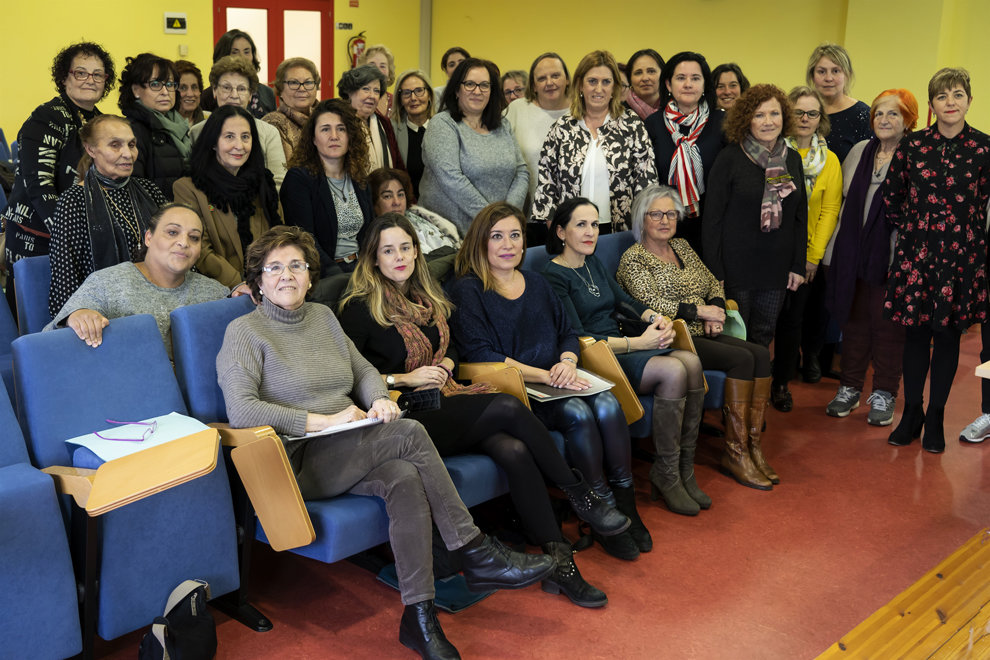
{"x": 158, "y": 158}
{"x": 308, "y": 203}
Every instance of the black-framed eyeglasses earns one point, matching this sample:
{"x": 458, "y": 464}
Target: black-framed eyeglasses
{"x": 148, "y": 432}
{"x": 470, "y": 85}
{"x": 812, "y": 114}
{"x": 657, "y": 216}
{"x": 296, "y": 84}
{"x": 418, "y": 92}
{"x": 156, "y": 85}
{"x": 515, "y": 91}
{"x": 82, "y": 75}
{"x": 277, "y": 268}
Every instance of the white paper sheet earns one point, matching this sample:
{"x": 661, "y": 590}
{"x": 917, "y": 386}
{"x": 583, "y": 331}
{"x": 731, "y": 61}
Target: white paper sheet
{"x": 170, "y": 427}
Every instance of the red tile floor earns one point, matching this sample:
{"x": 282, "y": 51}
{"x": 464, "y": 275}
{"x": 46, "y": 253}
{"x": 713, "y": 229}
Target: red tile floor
{"x": 781, "y": 574}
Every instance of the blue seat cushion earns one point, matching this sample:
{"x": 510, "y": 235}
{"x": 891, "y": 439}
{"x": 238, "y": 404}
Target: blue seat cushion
{"x": 641, "y": 428}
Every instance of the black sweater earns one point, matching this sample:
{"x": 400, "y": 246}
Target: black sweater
{"x": 158, "y": 157}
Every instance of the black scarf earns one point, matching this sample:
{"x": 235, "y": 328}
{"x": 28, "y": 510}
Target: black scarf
{"x": 108, "y": 237}
{"x": 238, "y": 193}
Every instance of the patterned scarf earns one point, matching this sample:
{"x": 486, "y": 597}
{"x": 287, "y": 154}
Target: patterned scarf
{"x": 813, "y": 161}
{"x": 779, "y": 184}
{"x": 641, "y": 107}
{"x": 685, "y": 167}
{"x": 108, "y": 232}
{"x": 409, "y": 316}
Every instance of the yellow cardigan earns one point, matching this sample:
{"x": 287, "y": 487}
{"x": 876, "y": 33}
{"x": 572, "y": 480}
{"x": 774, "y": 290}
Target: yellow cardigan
{"x": 823, "y": 206}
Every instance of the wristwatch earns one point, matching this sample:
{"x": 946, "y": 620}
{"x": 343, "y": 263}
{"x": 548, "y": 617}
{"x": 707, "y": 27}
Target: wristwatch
{"x": 390, "y": 380}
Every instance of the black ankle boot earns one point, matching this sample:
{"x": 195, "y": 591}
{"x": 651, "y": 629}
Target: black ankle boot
{"x": 909, "y": 428}
{"x": 621, "y": 546}
{"x": 934, "y": 440}
{"x": 625, "y": 500}
{"x": 566, "y": 578}
{"x": 491, "y": 565}
{"x": 420, "y": 631}
{"x": 592, "y": 509}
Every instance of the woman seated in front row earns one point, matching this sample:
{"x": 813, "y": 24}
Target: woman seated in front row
{"x": 101, "y": 221}
{"x": 591, "y": 298}
{"x": 289, "y": 365}
{"x": 158, "y": 283}
{"x": 396, "y": 315}
{"x": 325, "y": 190}
{"x": 392, "y": 192}
{"x": 231, "y": 190}
{"x": 504, "y": 314}
{"x": 665, "y": 273}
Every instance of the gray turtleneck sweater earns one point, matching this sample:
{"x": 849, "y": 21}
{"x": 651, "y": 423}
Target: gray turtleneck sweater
{"x": 278, "y": 365}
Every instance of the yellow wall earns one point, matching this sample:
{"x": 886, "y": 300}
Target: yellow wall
{"x": 897, "y": 45}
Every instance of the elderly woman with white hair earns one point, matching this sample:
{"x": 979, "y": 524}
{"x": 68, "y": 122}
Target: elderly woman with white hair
{"x": 665, "y": 274}
{"x": 382, "y": 59}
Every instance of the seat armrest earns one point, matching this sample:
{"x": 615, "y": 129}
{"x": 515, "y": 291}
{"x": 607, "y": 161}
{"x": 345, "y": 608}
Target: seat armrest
{"x": 77, "y": 482}
{"x": 599, "y": 359}
{"x": 507, "y": 379}
{"x": 236, "y": 437}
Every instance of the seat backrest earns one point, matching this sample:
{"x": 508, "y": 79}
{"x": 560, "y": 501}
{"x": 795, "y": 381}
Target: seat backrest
{"x": 197, "y": 335}
{"x": 32, "y": 280}
{"x": 12, "y": 447}
{"x": 536, "y": 258}
{"x": 8, "y": 327}
{"x": 611, "y": 248}
{"x": 66, "y": 388}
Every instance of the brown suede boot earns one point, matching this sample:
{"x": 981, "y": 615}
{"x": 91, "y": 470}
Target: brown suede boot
{"x": 694, "y": 410}
{"x": 665, "y": 475}
{"x": 757, "y": 413}
{"x": 736, "y": 460}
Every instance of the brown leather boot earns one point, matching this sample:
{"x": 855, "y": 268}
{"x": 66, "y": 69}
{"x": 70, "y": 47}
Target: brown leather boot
{"x": 757, "y": 413}
{"x": 736, "y": 460}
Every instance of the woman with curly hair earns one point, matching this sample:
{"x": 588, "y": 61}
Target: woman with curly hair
{"x": 325, "y": 190}
{"x": 49, "y": 149}
{"x": 231, "y": 190}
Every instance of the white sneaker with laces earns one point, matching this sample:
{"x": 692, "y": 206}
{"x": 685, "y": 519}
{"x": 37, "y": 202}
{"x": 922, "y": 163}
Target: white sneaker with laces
{"x": 978, "y": 431}
{"x": 845, "y": 401}
{"x": 881, "y": 404}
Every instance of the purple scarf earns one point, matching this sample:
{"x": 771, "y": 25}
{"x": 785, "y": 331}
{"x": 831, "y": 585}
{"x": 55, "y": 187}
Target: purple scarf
{"x": 862, "y": 249}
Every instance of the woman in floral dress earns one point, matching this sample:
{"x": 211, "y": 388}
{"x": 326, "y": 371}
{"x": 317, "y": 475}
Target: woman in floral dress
{"x": 936, "y": 195}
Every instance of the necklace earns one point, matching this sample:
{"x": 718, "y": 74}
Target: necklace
{"x": 879, "y": 161}
{"x": 131, "y": 221}
{"x": 339, "y": 189}
{"x": 592, "y": 287}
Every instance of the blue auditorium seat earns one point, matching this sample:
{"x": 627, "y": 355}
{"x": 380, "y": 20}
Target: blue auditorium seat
{"x": 33, "y": 278}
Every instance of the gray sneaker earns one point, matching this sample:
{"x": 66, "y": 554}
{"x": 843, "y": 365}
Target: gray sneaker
{"x": 881, "y": 404}
{"x": 846, "y": 400}
{"x": 978, "y": 431}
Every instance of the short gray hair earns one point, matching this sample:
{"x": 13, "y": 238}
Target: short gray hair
{"x": 644, "y": 200}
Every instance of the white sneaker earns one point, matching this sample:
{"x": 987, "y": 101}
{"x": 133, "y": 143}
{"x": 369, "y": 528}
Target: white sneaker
{"x": 978, "y": 431}
{"x": 881, "y": 404}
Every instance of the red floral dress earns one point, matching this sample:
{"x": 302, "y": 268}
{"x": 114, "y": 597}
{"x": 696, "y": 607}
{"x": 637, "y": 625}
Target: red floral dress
{"x": 936, "y": 195}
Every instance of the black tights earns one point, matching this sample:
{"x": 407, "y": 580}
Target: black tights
{"x": 943, "y": 359}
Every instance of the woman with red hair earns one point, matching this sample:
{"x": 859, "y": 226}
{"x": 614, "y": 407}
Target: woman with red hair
{"x": 860, "y": 259}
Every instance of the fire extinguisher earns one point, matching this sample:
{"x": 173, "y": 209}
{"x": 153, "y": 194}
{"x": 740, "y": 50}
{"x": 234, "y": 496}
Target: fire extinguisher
{"x": 355, "y": 46}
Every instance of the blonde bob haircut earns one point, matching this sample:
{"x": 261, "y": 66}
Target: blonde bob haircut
{"x": 801, "y": 91}
{"x": 375, "y": 50}
{"x": 398, "y": 111}
{"x": 587, "y": 63}
{"x": 835, "y": 53}
{"x": 472, "y": 258}
{"x": 368, "y": 283}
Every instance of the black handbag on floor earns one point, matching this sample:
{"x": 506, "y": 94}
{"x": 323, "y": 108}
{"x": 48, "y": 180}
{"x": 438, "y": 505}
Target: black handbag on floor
{"x": 187, "y": 631}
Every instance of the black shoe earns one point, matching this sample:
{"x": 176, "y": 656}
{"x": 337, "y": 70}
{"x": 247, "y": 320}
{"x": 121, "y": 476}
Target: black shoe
{"x": 625, "y": 500}
{"x": 491, "y": 565}
{"x": 420, "y": 631}
{"x": 781, "y": 398}
{"x": 566, "y": 578}
{"x": 621, "y": 545}
{"x": 934, "y": 440}
{"x": 592, "y": 509}
{"x": 811, "y": 369}
{"x": 909, "y": 428}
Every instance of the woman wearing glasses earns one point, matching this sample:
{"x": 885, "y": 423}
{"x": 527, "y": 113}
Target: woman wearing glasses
{"x": 238, "y": 43}
{"x": 410, "y": 117}
{"x": 470, "y": 156}
{"x": 600, "y": 151}
{"x": 297, "y": 82}
{"x": 147, "y": 98}
{"x": 233, "y": 81}
{"x": 49, "y": 149}
{"x": 232, "y": 191}
{"x": 362, "y": 88}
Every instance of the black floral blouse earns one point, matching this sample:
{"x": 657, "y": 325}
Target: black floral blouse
{"x": 628, "y": 153}
{"x": 936, "y": 195}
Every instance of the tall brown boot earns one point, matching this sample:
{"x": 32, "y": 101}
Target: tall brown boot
{"x": 757, "y": 413}
{"x": 736, "y": 460}
{"x": 665, "y": 475}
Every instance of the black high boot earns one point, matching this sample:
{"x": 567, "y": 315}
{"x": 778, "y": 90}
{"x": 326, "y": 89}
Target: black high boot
{"x": 592, "y": 509}
{"x": 909, "y": 428}
{"x": 934, "y": 440}
{"x": 625, "y": 500}
{"x": 420, "y": 631}
{"x": 566, "y": 578}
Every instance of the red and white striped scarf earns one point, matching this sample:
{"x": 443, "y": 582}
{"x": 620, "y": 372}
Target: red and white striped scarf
{"x": 685, "y": 167}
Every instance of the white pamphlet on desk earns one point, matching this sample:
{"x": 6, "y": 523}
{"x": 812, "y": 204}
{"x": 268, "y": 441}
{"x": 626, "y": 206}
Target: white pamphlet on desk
{"x": 119, "y": 441}
{"x": 339, "y": 428}
{"x": 545, "y": 393}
